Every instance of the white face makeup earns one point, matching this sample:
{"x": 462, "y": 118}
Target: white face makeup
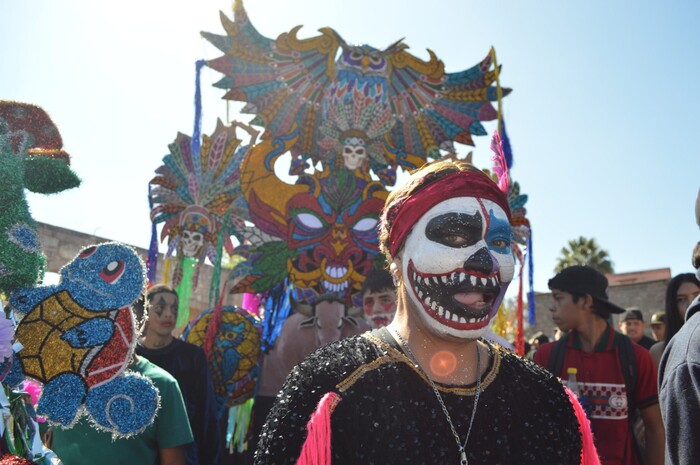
{"x": 457, "y": 263}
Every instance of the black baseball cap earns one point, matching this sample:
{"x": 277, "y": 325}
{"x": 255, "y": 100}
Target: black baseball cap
{"x": 581, "y": 279}
{"x": 633, "y": 314}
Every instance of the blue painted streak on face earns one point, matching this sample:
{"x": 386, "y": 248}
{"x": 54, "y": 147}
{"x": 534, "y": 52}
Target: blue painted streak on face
{"x": 499, "y": 230}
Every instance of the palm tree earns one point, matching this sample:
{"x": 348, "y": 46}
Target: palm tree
{"x": 584, "y": 251}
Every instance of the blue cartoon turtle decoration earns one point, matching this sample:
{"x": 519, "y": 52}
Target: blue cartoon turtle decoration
{"x": 78, "y": 339}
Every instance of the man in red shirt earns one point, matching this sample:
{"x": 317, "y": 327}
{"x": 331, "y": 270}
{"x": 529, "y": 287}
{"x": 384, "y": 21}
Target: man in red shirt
{"x": 581, "y": 308}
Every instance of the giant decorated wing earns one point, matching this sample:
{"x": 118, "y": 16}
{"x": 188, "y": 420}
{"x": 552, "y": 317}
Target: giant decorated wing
{"x": 434, "y": 108}
{"x": 291, "y": 81}
{"x": 282, "y": 81}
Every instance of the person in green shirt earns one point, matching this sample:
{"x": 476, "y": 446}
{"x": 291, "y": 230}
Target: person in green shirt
{"x": 161, "y": 443}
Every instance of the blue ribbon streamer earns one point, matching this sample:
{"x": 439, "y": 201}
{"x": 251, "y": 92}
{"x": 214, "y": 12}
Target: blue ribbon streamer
{"x": 507, "y": 149}
{"x": 152, "y": 260}
{"x": 278, "y": 306}
{"x": 531, "y": 280}
{"x": 197, "y": 132}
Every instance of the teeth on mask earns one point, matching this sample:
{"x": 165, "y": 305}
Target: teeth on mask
{"x": 447, "y": 315}
{"x": 420, "y": 294}
{"x": 441, "y": 311}
{"x": 433, "y": 305}
{"x": 455, "y": 318}
{"x": 444, "y": 279}
{"x": 493, "y": 280}
{"x": 462, "y": 277}
{"x": 435, "y": 280}
{"x": 473, "y": 280}
{"x": 427, "y": 301}
{"x": 472, "y": 320}
{"x": 462, "y": 319}
{"x": 483, "y": 281}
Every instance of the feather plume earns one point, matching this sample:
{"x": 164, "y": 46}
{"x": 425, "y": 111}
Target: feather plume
{"x": 500, "y": 168}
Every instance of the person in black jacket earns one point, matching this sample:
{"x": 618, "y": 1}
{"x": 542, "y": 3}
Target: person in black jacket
{"x": 679, "y": 377}
{"x": 187, "y": 363}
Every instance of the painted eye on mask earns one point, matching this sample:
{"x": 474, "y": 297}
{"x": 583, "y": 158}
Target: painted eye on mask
{"x": 113, "y": 271}
{"x": 87, "y": 252}
{"x": 309, "y": 221}
{"x": 365, "y": 224}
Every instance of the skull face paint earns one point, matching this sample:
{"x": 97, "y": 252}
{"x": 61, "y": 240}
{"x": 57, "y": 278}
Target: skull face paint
{"x": 457, "y": 264}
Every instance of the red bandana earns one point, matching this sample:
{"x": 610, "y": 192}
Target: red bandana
{"x": 466, "y": 183}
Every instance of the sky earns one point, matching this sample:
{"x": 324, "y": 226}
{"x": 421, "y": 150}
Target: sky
{"x": 602, "y": 117}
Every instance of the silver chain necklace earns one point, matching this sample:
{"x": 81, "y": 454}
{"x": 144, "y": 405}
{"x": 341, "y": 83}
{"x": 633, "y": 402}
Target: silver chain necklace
{"x": 414, "y": 360}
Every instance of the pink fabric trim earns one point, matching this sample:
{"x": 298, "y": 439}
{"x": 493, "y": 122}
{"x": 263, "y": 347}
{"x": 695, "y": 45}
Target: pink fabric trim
{"x": 589, "y": 454}
{"x": 317, "y": 447}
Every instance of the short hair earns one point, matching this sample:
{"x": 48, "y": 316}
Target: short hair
{"x": 419, "y": 179}
{"x": 159, "y": 289}
{"x": 604, "y": 314}
{"x": 376, "y": 281}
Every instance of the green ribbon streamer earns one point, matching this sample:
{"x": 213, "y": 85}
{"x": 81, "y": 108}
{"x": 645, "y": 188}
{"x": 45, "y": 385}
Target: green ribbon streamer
{"x": 184, "y": 291}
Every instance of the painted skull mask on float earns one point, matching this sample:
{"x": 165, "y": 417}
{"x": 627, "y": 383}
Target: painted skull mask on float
{"x": 354, "y": 152}
{"x": 457, "y": 264}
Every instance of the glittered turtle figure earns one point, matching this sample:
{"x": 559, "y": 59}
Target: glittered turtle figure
{"x": 78, "y": 338}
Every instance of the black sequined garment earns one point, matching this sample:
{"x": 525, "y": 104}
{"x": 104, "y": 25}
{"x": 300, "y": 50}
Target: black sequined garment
{"x": 388, "y": 413}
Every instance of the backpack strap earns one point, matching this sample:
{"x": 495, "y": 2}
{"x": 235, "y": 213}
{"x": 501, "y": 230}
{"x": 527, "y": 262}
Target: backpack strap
{"x": 625, "y": 352}
{"x": 556, "y": 356}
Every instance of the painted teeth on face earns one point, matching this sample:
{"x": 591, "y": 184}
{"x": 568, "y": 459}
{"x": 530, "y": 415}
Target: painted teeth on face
{"x": 473, "y": 279}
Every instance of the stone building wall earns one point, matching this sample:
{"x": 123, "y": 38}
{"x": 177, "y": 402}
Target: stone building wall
{"x": 648, "y": 297}
{"x": 61, "y": 245}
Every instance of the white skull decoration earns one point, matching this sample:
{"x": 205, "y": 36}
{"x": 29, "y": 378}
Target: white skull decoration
{"x": 354, "y": 152}
{"x": 457, "y": 263}
{"x": 192, "y": 242}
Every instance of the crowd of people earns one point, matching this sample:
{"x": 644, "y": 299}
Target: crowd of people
{"x": 420, "y": 378}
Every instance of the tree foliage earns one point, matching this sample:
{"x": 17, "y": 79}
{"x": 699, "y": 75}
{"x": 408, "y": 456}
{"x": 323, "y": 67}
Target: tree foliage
{"x": 584, "y": 251}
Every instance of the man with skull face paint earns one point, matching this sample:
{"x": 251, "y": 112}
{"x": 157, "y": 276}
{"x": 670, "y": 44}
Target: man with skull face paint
{"x": 426, "y": 389}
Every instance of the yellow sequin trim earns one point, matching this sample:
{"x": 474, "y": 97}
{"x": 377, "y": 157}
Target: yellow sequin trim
{"x": 396, "y": 356}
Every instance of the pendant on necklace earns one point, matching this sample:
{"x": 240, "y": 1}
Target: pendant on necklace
{"x": 464, "y": 460}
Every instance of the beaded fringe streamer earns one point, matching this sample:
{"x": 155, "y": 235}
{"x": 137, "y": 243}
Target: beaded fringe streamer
{"x": 152, "y": 260}
{"x": 317, "y": 447}
{"x": 589, "y": 455}
{"x": 166, "y": 269}
{"x": 531, "y": 279}
{"x": 238, "y": 425}
{"x": 184, "y": 291}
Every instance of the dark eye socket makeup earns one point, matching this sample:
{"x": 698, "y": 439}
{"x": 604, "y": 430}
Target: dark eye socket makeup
{"x": 455, "y": 229}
